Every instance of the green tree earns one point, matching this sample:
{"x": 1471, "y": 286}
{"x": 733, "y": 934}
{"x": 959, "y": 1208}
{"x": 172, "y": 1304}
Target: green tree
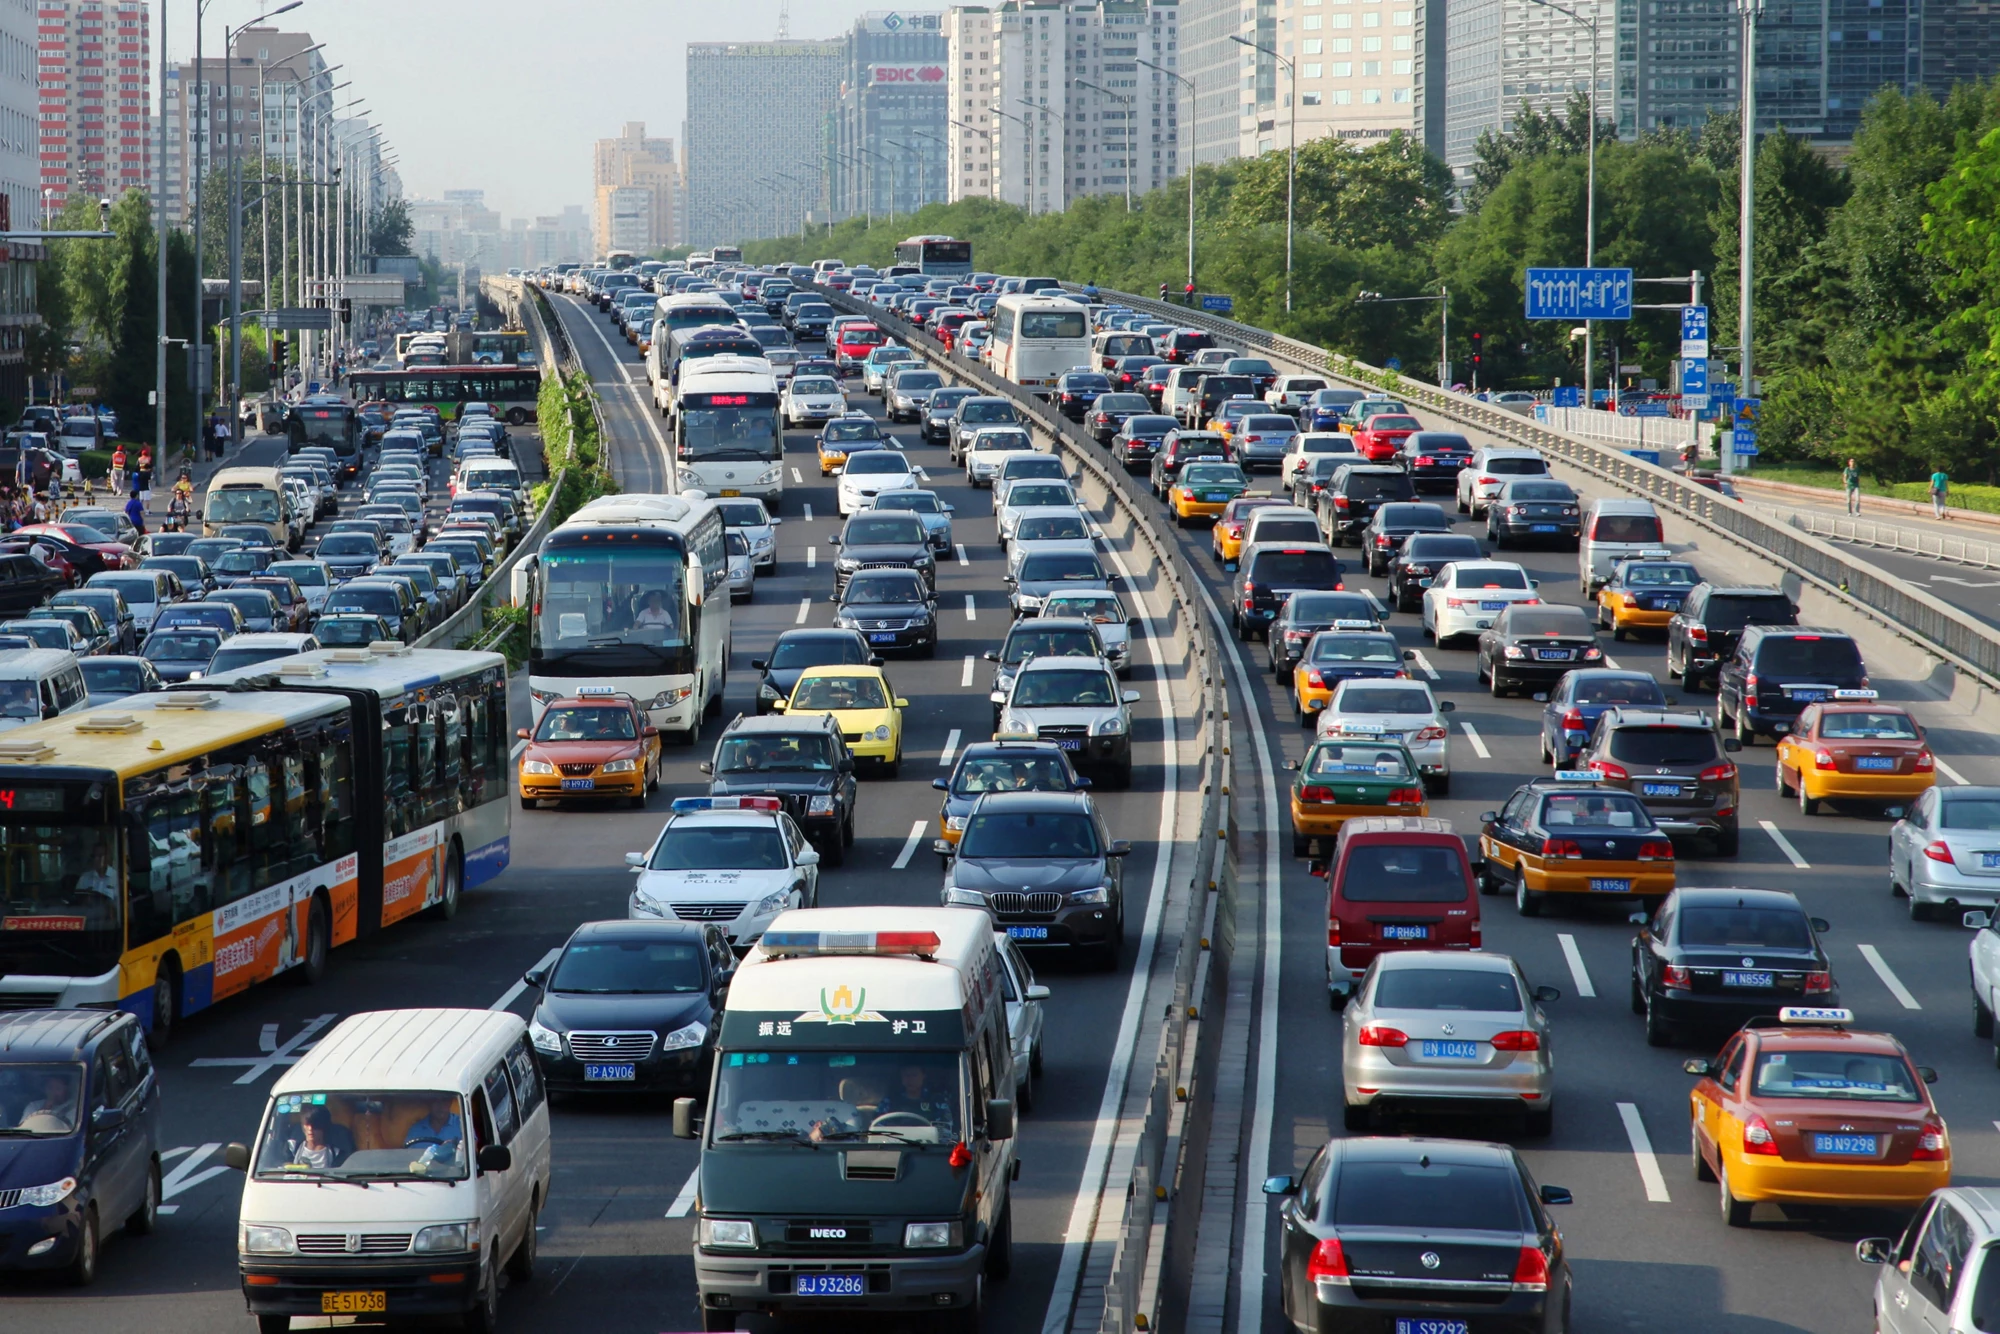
{"x": 129, "y": 378}
{"x": 390, "y": 230}
{"x": 1391, "y": 192}
{"x": 1536, "y": 134}
{"x": 1798, "y": 193}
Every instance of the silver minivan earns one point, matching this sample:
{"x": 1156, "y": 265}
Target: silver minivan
{"x": 1612, "y": 531}
{"x": 1941, "y": 1275}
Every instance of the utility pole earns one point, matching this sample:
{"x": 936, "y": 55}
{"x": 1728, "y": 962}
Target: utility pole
{"x": 1188, "y": 84}
{"x": 1746, "y": 189}
{"x": 1292, "y": 154}
{"x": 160, "y": 242}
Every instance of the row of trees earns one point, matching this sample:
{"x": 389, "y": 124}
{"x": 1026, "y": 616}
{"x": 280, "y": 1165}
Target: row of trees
{"x": 1877, "y": 292}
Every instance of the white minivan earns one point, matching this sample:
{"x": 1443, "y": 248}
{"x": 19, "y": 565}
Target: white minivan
{"x": 435, "y": 1126}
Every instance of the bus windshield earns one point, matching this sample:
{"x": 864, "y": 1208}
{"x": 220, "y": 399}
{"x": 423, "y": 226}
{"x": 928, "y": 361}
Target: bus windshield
{"x": 61, "y": 878}
{"x": 1051, "y": 324}
{"x": 627, "y": 604}
{"x": 242, "y": 505}
{"x": 746, "y": 428}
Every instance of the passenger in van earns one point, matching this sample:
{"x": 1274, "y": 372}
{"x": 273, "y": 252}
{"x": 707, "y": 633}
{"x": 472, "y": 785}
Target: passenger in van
{"x": 918, "y": 1099}
{"x": 316, "y": 1150}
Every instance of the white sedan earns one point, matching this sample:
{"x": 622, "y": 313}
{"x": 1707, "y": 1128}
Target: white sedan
{"x": 1465, "y": 597}
{"x": 1389, "y": 710}
{"x": 810, "y": 399}
{"x": 870, "y": 473}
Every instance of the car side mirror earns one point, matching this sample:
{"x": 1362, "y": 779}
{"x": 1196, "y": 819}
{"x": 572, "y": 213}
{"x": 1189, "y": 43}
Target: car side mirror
{"x": 1556, "y": 1195}
{"x": 759, "y": 664}
{"x": 1978, "y": 919}
{"x": 1448, "y": 707}
{"x": 1534, "y": 583}
{"x": 999, "y": 1119}
{"x": 705, "y": 767}
{"x": 523, "y": 733}
{"x": 236, "y": 1156}
{"x": 777, "y": 706}
{"x": 1896, "y": 812}
{"x": 495, "y": 1158}
{"x": 1639, "y": 918}
{"x": 1820, "y": 924}
{"x": 1731, "y": 744}
{"x": 809, "y": 857}
{"x": 1547, "y": 993}
{"x": 1281, "y": 1186}
{"x": 683, "y": 1118}
{"x": 651, "y": 731}
{"x": 1120, "y": 847}
{"x": 1874, "y": 1250}
{"x": 1699, "y": 1066}
{"x": 1927, "y": 1073}
{"x": 1291, "y": 766}
{"x": 636, "y": 860}
{"x": 949, "y": 509}
{"x": 1488, "y": 817}
{"x": 835, "y": 539}
{"x": 1541, "y": 697}
{"x": 107, "y": 1118}
{"x": 535, "y": 978}
{"x": 875, "y": 660}
{"x": 1129, "y": 696}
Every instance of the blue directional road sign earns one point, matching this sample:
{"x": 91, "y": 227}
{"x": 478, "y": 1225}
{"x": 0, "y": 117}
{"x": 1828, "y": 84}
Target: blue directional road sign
{"x": 1694, "y": 331}
{"x": 1567, "y": 396}
{"x": 1579, "y": 294}
{"x": 1221, "y": 305}
{"x": 1743, "y": 441}
{"x": 1694, "y": 383}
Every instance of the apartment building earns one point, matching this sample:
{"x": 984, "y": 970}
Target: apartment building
{"x": 92, "y": 59}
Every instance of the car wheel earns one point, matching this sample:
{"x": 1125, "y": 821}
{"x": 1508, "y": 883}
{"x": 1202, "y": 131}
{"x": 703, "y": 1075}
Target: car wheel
{"x": 484, "y": 1317}
{"x": 1746, "y": 735}
{"x": 82, "y": 1271}
{"x": 147, "y": 1216}
{"x": 1658, "y": 1032}
{"x": 528, "y": 803}
{"x": 1810, "y": 805}
{"x": 1702, "y": 1171}
{"x": 1638, "y": 991}
{"x": 1735, "y": 1212}
{"x": 1982, "y": 1019}
{"x": 1527, "y": 902}
{"x": 1000, "y": 1243}
{"x": 521, "y": 1264}
{"x": 1784, "y": 788}
{"x": 1728, "y": 840}
{"x": 1548, "y": 756}
{"x": 1439, "y": 785}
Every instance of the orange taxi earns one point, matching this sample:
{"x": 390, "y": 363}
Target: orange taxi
{"x": 597, "y": 744}
{"x": 1854, "y": 747}
{"x": 1225, "y": 541}
{"x": 1231, "y": 414}
{"x": 1806, "y": 1110}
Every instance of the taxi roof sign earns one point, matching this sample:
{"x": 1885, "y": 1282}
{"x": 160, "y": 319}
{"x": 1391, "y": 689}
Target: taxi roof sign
{"x": 1354, "y": 625}
{"x": 1578, "y": 776}
{"x": 1857, "y": 694}
{"x": 805, "y": 944}
{"x": 685, "y": 805}
{"x": 1815, "y": 1014}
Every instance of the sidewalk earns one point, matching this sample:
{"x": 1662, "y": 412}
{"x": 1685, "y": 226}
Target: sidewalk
{"x": 1914, "y": 514}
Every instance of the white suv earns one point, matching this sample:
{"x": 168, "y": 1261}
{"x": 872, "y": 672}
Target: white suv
{"x": 734, "y": 861}
{"x": 1492, "y": 468}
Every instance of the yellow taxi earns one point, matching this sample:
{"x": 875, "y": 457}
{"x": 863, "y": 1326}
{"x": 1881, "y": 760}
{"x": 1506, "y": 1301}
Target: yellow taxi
{"x": 594, "y": 745}
{"x": 1644, "y": 592}
{"x": 1225, "y": 541}
{"x": 1231, "y": 414}
{"x": 845, "y": 435}
{"x": 1570, "y": 835}
{"x": 1854, "y": 747}
{"x": 1809, "y": 1111}
{"x": 1343, "y": 777}
{"x": 1204, "y": 490}
{"x": 862, "y": 701}
{"x": 1351, "y": 650}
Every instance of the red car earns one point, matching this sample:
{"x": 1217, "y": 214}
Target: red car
{"x": 853, "y": 345}
{"x": 949, "y": 323}
{"x": 116, "y": 555}
{"x": 1381, "y": 437}
{"x": 1395, "y": 882}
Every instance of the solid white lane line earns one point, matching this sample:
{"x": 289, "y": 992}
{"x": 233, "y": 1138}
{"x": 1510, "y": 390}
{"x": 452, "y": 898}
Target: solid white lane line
{"x": 1642, "y": 1153}
{"x": 805, "y": 608}
{"x": 1949, "y": 772}
{"x": 1889, "y": 978}
{"x": 1424, "y": 664}
{"x": 961, "y": 555}
{"x": 950, "y": 748}
{"x": 1612, "y": 663}
{"x": 513, "y": 993}
{"x": 910, "y": 844}
{"x": 812, "y": 557}
{"x": 1478, "y": 746}
{"x": 965, "y": 677}
{"x": 1576, "y": 969}
{"x": 1784, "y": 845}
{"x": 796, "y": 479}
{"x": 685, "y": 1200}
{"x": 971, "y": 614}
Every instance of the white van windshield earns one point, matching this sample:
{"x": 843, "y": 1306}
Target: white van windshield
{"x": 403, "y": 1135}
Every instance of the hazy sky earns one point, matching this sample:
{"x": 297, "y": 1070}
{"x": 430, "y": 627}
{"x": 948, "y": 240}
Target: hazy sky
{"x": 507, "y": 95}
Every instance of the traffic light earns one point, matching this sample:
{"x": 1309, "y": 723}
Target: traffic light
{"x": 1476, "y": 350}
{"x": 347, "y": 310}
{"x": 280, "y": 351}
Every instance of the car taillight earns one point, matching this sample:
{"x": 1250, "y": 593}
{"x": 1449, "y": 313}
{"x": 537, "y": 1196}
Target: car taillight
{"x": 1314, "y": 679}
{"x": 1757, "y": 1138}
{"x": 1573, "y": 721}
{"x": 1932, "y": 1146}
{"x": 1407, "y": 796}
{"x": 1750, "y": 686}
{"x": 1340, "y": 502}
{"x": 1820, "y": 983}
{"x": 1323, "y": 795}
{"x": 1656, "y": 850}
{"x": 1333, "y": 933}
{"x": 1926, "y": 762}
{"x": 1823, "y": 759}
{"x": 1562, "y": 847}
{"x": 1381, "y": 539}
{"x": 1489, "y": 481}
{"x": 1939, "y": 851}
{"x": 1531, "y": 1272}
{"x": 1519, "y": 1039}
{"x": 1610, "y": 770}
{"x": 1697, "y": 634}
{"x": 1381, "y": 1035}
{"x": 1516, "y": 651}
{"x": 1676, "y": 976}
{"x": 1592, "y": 652}
{"x": 1327, "y": 1262}
{"x": 1724, "y": 772}
{"x": 1435, "y": 732}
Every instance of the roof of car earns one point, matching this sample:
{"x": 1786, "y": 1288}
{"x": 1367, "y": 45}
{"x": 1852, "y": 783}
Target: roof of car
{"x": 1410, "y": 1148}
{"x": 1821, "y": 631}
{"x": 1619, "y": 715}
{"x": 271, "y": 639}
{"x": 1743, "y": 590}
{"x": 1397, "y": 826}
{"x": 1457, "y": 960}
{"x": 1709, "y": 896}
{"x": 1621, "y": 505}
{"x": 26, "y": 1034}
{"x": 1814, "y": 1035}
{"x": 1035, "y": 801}
{"x": 631, "y": 929}
{"x": 1052, "y": 662}
{"x": 780, "y": 724}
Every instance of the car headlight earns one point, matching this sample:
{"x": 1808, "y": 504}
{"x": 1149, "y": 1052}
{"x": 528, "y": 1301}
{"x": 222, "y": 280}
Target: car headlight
{"x": 882, "y": 732}
{"x": 773, "y": 902}
{"x": 821, "y": 806}
{"x": 691, "y": 1035}
{"x": 735, "y": 1233}
{"x": 251, "y": 1238}
{"x": 766, "y": 692}
{"x": 545, "y": 1038}
{"x": 954, "y": 897}
{"x": 847, "y": 564}
{"x": 1012, "y": 726}
{"x": 1112, "y": 726}
{"x": 955, "y": 823}
{"x": 194, "y": 676}
{"x": 643, "y": 905}
{"x": 621, "y": 766}
{"x": 666, "y": 699}
{"x": 58, "y": 1191}
{"x": 537, "y": 767}
{"x": 930, "y": 1235}
{"x": 1101, "y": 894}
{"x": 443, "y": 1237}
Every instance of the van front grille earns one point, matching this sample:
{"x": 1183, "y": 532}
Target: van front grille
{"x": 343, "y": 1243}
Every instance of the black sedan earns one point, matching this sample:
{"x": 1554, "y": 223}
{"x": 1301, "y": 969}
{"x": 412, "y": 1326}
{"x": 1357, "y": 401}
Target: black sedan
{"x": 181, "y": 653}
{"x": 935, "y": 426}
{"x": 1435, "y": 457}
{"x": 1111, "y": 411}
{"x": 1395, "y": 523}
{"x": 1535, "y": 644}
{"x": 1410, "y": 1233}
{"x": 1077, "y": 390}
{"x": 891, "y": 609}
{"x": 1714, "y": 959}
{"x": 1420, "y": 557}
{"x": 797, "y": 650}
{"x": 1306, "y": 614}
{"x": 1130, "y": 373}
{"x": 1534, "y": 509}
{"x": 1310, "y": 481}
{"x": 631, "y": 1007}
{"x": 1139, "y": 437}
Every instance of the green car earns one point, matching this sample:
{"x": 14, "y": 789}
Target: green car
{"x": 1203, "y": 489}
{"x": 1343, "y": 777}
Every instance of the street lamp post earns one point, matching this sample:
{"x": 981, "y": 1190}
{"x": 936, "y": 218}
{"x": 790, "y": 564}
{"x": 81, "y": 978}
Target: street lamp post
{"x": 867, "y": 196}
{"x": 1291, "y": 154}
{"x": 1590, "y": 185}
{"x": 923, "y": 171}
{"x": 236, "y": 212}
{"x": 988, "y": 136}
{"x": 1189, "y": 85}
{"x": 1062, "y": 172}
{"x": 1746, "y": 228}
{"x": 1131, "y": 135}
{"x": 895, "y": 183}
{"x": 919, "y": 134}
{"x": 1028, "y": 157}
{"x": 1444, "y": 326}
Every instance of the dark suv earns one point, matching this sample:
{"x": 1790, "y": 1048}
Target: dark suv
{"x": 1777, "y": 671}
{"x": 1704, "y": 633}
{"x": 884, "y": 540}
{"x": 1215, "y": 391}
{"x": 801, "y": 760}
{"x": 974, "y": 415}
{"x": 1269, "y": 572}
{"x": 1676, "y": 763}
{"x": 1352, "y": 497}
{"x": 1421, "y": 556}
{"x": 1181, "y": 446}
{"x": 1138, "y": 438}
{"x": 1042, "y": 865}
{"x": 1181, "y": 345}
{"x": 1394, "y": 524}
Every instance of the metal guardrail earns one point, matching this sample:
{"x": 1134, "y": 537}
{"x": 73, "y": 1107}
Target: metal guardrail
{"x": 1888, "y": 537}
{"x": 1914, "y": 615}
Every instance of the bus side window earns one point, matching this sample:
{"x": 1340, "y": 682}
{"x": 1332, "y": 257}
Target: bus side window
{"x": 301, "y": 844}
{"x": 223, "y": 835}
{"x": 334, "y": 777}
{"x": 396, "y": 797}
{"x": 167, "y": 885}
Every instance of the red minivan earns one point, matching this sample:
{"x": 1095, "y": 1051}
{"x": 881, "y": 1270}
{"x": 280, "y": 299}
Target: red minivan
{"x": 1395, "y": 882}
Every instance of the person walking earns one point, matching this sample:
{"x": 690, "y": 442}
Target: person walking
{"x": 118, "y": 469}
{"x": 1940, "y": 488}
{"x": 1850, "y": 478}
{"x": 135, "y": 510}
{"x": 221, "y": 438}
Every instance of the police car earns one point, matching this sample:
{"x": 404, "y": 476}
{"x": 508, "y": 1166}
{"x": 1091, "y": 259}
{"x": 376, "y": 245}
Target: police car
{"x": 734, "y": 861}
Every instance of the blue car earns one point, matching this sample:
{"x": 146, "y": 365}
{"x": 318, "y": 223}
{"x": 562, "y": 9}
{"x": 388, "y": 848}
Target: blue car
{"x": 81, "y": 1157}
{"x": 1577, "y": 701}
{"x": 1327, "y": 408}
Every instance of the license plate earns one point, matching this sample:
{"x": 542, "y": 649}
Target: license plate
{"x": 729, "y": 491}
{"x": 625, "y": 1071}
{"x": 1423, "y": 583}
{"x": 1609, "y": 885}
{"x": 1070, "y": 743}
{"x": 1659, "y": 789}
{"x": 1215, "y": 497}
{"x": 1989, "y": 860}
{"x": 829, "y": 1285}
{"x": 1541, "y": 528}
{"x": 1027, "y": 933}
{"x": 1552, "y": 654}
{"x": 1807, "y": 696}
{"x": 1449, "y": 1051}
{"x": 1876, "y": 763}
{"x": 1411, "y": 1325}
{"x": 1734, "y": 979}
{"x": 1406, "y": 933}
{"x": 1666, "y": 604}
{"x": 1845, "y": 1146}
{"x": 1492, "y": 606}
{"x": 882, "y": 637}
{"x": 578, "y": 784}
{"x": 353, "y": 1303}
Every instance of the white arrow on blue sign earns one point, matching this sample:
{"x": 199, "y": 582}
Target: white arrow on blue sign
{"x": 1579, "y": 294}
{"x": 1694, "y": 331}
{"x": 1694, "y": 383}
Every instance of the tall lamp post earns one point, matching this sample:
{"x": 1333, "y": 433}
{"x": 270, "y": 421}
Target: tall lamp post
{"x": 919, "y": 134}
{"x": 1189, "y": 85}
{"x": 1590, "y": 185}
{"x": 1746, "y": 228}
{"x": 1029, "y": 157}
{"x": 1291, "y": 153}
{"x": 1444, "y": 325}
{"x": 867, "y": 196}
{"x": 1131, "y": 134}
{"x": 1062, "y": 171}
{"x": 236, "y": 211}
{"x": 984, "y": 134}
{"x": 923, "y": 170}
{"x": 895, "y": 182}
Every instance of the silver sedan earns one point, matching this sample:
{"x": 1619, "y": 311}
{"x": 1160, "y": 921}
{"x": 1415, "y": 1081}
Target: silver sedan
{"x": 1449, "y": 1031}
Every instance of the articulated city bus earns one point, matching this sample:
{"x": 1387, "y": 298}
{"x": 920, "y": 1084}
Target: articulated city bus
{"x": 936, "y": 256}
{"x": 514, "y": 389}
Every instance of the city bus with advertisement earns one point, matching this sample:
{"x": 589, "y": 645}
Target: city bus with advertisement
{"x": 492, "y": 347}
{"x": 727, "y": 437}
{"x": 936, "y": 256}
{"x": 631, "y": 592}
{"x": 1035, "y": 339}
{"x": 174, "y": 849}
{"x": 513, "y": 389}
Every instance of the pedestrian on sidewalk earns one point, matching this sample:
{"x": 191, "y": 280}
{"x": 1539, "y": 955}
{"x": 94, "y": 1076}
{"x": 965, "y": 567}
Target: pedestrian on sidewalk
{"x": 118, "y": 469}
{"x": 1850, "y": 479}
{"x": 1940, "y": 488}
{"x": 221, "y": 438}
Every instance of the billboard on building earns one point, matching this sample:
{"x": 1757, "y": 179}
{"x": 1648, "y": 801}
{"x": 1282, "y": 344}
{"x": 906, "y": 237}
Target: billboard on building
{"x": 894, "y": 20}
{"x": 907, "y": 76}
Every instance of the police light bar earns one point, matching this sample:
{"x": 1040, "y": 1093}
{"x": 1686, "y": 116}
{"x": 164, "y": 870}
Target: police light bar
{"x": 1857, "y": 694}
{"x": 1814, "y": 1014}
{"x": 1354, "y": 625}
{"x": 806, "y": 944}
{"x": 684, "y": 805}
{"x": 1579, "y": 776}
{"x": 590, "y": 692}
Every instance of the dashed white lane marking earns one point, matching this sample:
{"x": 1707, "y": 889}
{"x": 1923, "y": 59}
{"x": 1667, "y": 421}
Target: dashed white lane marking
{"x": 950, "y": 749}
{"x": 685, "y": 1200}
{"x": 1478, "y": 746}
{"x": 796, "y": 479}
{"x": 812, "y": 557}
{"x": 1642, "y": 1153}
{"x": 965, "y": 677}
{"x": 515, "y": 753}
{"x": 961, "y": 555}
{"x": 1784, "y": 844}
{"x": 1424, "y": 664}
{"x": 805, "y": 608}
{"x": 1889, "y": 978}
{"x": 1577, "y": 971}
{"x": 910, "y": 845}
{"x": 971, "y": 613}
{"x": 1949, "y": 772}
{"x": 511, "y": 994}
{"x": 1612, "y": 663}
{"x": 809, "y": 514}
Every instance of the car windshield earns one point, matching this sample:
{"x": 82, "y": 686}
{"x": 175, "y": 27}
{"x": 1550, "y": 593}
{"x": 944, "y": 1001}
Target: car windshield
{"x": 906, "y": 380}
{"x": 1403, "y": 873}
{"x": 227, "y": 659}
{"x": 102, "y": 676}
{"x": 342, "y": 544}
{"x": 1663, "y": 745}
{"x": 1020, "y": 835}
{"x": 587, "y": 723}
{"x": 876, "y": 461}
{"x": 1375, "y": 485}
{"x": 720, "y": 847}
{"x": 631, "y": 968}
{"x": 1428, "y": 1196}
{"x": 1661, "y": 576}
{"x": 1213, "y": 474}
{"x": 1490, "y": 576}
{"x": 174, "y": 646}
{"x": 885, "y": 530}
{"x": 804, "y": 386}
{"x": 348, "y": 631}
{"x": 1625, "y": 527}
{"x": 1478, "y": 989}
{"x": 879, "y": 1097}
{"x": 1617, "y": 690}
{"x": 396, "y": 1135}
{"x": 863, "y": 429}
{"x": 1053, "y": 527}
{"x": 39, "y": 1100}
{"x": 1871, "y": 725}
{"x": 1005, "y": 772}
{"x": 239, "y": 505}
{"x": 817, "y": 651}
{"x": 1704, "y": 926}
{"x": 1848, "y": 1075}
{"x": 762, "y": 753}
{"x": 887, "y": 587}
{"x": 1384, "y": 699}
{"x": 1310, "y": 608}
{"x": 987, "y": 412}
{"x": 1337, "y": 759}
{"x": 916, "y": 502}
{"x": 996, "y": 441}
{"x": 306, "y": 574}
{"x": 1270, "y": 425}
{"x": 1103, "y": 608}
{"x": 1379, "y": 649}
{"x": 1067, "y": 688}
{"x": 1024, "y": 494}
{"x": 1051, "y": 566}
{"x": 1294, "y": 568}
{"x": 840, "y": 692}
{"x": 1549, "y": 621}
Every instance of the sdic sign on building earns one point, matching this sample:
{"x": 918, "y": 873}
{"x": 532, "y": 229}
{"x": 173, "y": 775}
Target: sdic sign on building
{"x": 908, "y": 76}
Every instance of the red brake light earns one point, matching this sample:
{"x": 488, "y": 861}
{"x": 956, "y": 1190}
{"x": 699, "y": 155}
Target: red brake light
{"x": 1333, "y": 933}
{"x": 1757, "y": 1138}
{"x": 1562, "y": 847}
{"x": 1610, "y": 770}
{"x": 1722, "y": 773}
{"x": 1407, "y": 796}
{"x": 1314, "y": 679}
{"x": 1698, "y": 634}
{"x": 1432, "y": 733}
{"x": 1573, "y": 721}
{"x": 1520, "y": 1039}
{"x": 1932, "y": 1146}
{"x": 1926, "y": 762}
{"x": 1340, "y": 502}
{"x": 1821, "y": 983}
{"x": 1381, "y": 1035}
{"x": 1676, "y": 976}
{"x": 1823, "y": 759}
{"x": 1316, "y": 794}
{"x": 1327, "y": 1262}
{"x": 1939, "y": 851}
{"x": 1656, "y": 850}
{"x": 1531, "y": 1271}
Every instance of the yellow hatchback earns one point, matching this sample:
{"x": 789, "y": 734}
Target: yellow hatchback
{"x": 862, "y": 701}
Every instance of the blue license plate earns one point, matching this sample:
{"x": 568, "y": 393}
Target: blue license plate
{"x": 1449, "y": 1051}
{"x": 1609, "y": 885}
{"x": 1215, "y": 497}
{"x": 1659, "y": 789}
{"x": 829, "y": 1285}
{"x": 1406, "y": 933}
{"x": 1070, "y": 743}
{"x": 1876, "y": 763}
{"x": 1989, "y": 860}
{"x": 1492, "y": 606}
{"x": 1807, "y": 696}
{"x": 1413, "y": 1325}
{"x": 593, "y": 1072}
{"x": 1552, "y": 654}
{"x": 1666, "y": 604}
{"x": 578, "y": 784}
{"x": 1541, "y": 528}
{"x": 888, "y": 637}
{"x": 1845, "y": 1146}
{"x": 1027, "y": 933}
{"x": 1758, "y": 980}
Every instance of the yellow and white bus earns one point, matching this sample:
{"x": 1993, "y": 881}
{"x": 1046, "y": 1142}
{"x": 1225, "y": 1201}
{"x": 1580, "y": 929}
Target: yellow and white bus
{"x": 170, "y": 850}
